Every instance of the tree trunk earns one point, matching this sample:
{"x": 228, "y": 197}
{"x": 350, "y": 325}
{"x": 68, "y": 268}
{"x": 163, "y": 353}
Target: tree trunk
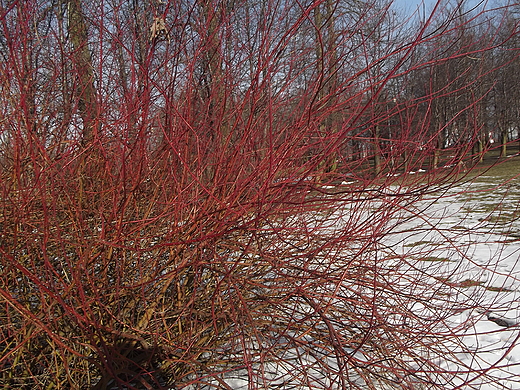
{"x": 503, "y": 147}
{"x": 377, "y": 150}
{"x": 87, "y": 105}
{"x": 480, "y": 150}
{"x": 326, "y": 57}
{"x": 86, "y": 91}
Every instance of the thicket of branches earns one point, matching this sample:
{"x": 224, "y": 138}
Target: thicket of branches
{"x": 195, "y": 191}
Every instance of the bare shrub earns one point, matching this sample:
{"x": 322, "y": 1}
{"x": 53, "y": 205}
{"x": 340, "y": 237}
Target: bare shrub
{"x": 208, "y": 206}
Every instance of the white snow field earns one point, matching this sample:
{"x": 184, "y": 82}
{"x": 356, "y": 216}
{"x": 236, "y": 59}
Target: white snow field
{"x": 481, "y": 222}
{"x": 467, "y": 236}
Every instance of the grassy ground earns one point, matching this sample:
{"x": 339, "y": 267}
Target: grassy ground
{"x": 493, "y": 167}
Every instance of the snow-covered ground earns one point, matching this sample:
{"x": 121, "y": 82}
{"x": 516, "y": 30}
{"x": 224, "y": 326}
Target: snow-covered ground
{"x": 469, "y": 237}
{"x": 476, "y": 226}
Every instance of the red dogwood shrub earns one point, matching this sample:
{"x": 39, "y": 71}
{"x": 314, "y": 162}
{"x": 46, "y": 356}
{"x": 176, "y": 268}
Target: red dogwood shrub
{"x": 198, "y": 194}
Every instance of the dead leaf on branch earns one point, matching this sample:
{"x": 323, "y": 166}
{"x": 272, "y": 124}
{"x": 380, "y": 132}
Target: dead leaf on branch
{"x": 158, "y": 29}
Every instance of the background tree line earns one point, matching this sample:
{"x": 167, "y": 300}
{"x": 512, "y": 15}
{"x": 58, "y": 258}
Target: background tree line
{"x": 215, "y": 57}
